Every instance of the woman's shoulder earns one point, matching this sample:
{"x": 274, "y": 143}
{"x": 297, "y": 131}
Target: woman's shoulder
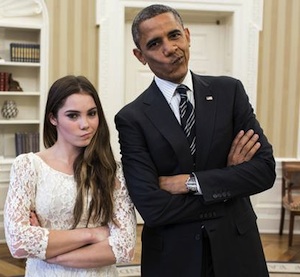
{"x": 24, "y": 158}
{"x": 27, "y": 160}
{"x": 25, "y": 163}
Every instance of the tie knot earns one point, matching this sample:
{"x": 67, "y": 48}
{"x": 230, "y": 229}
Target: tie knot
{"x": 182, "y": 89}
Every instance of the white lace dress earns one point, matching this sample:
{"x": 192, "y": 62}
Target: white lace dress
{"x": 35, "y": 185}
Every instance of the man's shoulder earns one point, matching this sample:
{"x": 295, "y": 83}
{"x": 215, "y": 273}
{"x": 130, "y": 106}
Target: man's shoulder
{"x": 209, "y": 80}
{"x": 137, "y": 104}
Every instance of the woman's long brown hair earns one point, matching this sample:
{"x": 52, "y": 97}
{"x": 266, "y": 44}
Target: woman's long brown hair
{"x": 95, "y": 166}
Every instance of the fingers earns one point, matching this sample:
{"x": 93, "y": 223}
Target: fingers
{"x": 243, "y": 148}
{"x": 33, "y": 219}
{"x": 248, "y": 144}
{"x": 236, "y": 142}
{"x": 252, "y": 151}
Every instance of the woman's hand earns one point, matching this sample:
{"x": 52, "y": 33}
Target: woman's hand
{"x": 34, "y": 221}
{"x": 99, "y": 233}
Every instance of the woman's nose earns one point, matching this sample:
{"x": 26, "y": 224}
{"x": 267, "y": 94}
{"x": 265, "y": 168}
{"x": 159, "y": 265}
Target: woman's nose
{"x": 84, "y": 124}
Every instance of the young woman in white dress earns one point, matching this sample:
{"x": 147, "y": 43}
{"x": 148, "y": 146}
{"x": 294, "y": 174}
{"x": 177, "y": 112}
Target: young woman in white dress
{"x": 67, "y": 209}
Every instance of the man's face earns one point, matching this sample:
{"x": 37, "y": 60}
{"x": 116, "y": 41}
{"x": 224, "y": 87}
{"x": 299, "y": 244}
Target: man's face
{"x": 164, "y": 45}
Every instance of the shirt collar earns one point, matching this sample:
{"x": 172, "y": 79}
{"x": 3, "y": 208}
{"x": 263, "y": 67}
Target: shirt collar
{"x": 168, "y": 88}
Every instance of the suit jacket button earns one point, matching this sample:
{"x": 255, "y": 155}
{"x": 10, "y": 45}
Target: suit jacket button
{"x": 197, "y": 237}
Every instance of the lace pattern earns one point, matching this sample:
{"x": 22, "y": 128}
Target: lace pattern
{"x": 35, "y": 185}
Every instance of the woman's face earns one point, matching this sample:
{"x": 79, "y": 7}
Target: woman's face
{"x": 77, "y": 120}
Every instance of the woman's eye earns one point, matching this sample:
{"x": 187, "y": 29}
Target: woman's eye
{"x": 72, "y": 116}
{"x": 92, "y": 113}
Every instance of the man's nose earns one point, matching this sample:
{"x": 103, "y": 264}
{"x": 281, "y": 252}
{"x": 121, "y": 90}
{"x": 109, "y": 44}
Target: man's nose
{"x": 169, "y": 47}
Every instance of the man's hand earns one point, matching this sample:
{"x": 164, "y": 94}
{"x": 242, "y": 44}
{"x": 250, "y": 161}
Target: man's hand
{"x": 243, "y": 147}
{"x": 174, "y": 184}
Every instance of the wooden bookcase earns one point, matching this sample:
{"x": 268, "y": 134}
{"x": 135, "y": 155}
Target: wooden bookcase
{"x": 25, "y": 22}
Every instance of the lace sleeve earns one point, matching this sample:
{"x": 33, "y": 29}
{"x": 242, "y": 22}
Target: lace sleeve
{"x": 22, "y": 239}
{"x": 123, "y": 237}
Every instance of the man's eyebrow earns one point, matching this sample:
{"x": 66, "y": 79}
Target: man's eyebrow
{"x": 175, "y": 31}
{"x": 151, "y": 41}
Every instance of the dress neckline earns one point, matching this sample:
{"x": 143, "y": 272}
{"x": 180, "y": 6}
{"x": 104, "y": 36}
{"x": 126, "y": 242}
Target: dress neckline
{"x": 55, "y": 170}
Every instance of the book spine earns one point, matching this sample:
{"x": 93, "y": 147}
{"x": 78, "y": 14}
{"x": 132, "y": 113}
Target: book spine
{"x": 18, "y": 143}
{"x": 24, "y": 52}
{"x": 4, "y": 81}
{"x": 26, "y": 142}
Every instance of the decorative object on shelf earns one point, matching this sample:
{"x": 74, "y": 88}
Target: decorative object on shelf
{"x": 9, "y": 109}
{"x": 13, "y": 85}
{"x": 7, "y": 83}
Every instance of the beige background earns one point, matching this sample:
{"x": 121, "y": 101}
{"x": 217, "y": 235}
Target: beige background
{"x": 74, "y": 44}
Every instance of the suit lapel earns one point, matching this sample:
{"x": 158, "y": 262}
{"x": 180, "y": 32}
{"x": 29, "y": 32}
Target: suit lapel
{"x": 159, "y": 112}
{"x": 205, "y": 101}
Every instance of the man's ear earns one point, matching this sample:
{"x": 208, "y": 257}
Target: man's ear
{"x": 187, "y": 34}
{"x": 139, "y": 55}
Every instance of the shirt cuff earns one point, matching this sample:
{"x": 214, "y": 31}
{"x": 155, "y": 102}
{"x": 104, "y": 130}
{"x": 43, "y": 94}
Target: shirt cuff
{"x": 199, "y": 191}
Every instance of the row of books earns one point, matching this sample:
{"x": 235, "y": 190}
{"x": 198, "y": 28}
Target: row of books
{"x": 27, "y": 142}
{"x": 24, "y": 52}
{"x": 4, "y": 81}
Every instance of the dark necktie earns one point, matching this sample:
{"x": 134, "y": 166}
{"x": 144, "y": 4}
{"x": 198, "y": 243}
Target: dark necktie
{"x": 187, "y": 117}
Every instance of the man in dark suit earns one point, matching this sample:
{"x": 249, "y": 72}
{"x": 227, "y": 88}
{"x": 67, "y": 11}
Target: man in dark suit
{"x": 195, "y": 203}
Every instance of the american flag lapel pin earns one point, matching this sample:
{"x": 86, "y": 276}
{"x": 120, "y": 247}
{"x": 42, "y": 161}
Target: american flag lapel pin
{"x": 209, "y": 98}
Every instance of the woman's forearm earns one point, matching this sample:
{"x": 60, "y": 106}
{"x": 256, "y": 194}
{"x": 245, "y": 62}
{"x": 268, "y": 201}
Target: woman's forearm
{"x": 64, "y": 241}
{"x": 90, "y": 256}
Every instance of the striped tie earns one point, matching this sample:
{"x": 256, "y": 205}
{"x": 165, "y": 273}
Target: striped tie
{"x": 187, "y": 116}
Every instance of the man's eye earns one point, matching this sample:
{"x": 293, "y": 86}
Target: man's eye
{"x": 175, "y": 35}
{"x": 152, "y": 44}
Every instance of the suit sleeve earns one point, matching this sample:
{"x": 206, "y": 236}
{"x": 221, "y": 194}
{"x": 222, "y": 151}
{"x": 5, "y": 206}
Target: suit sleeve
{"x": 245, "y": 179}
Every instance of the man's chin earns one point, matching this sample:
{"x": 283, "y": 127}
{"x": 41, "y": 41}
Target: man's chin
{"x": 177, "y": 77}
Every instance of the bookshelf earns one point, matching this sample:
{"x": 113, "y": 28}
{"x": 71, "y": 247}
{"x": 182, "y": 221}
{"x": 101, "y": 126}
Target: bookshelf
{"x": 22, "y": 23}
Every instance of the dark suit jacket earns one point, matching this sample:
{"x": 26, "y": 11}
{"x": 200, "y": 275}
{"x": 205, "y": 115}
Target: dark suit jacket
{"x": 153, "y": 144}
